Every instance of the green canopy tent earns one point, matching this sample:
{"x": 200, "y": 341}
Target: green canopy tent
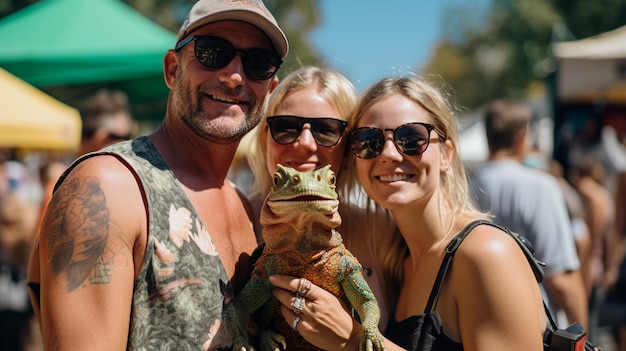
{"x": 70, "y": 48}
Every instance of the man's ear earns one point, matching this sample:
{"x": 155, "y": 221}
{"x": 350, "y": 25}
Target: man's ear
{"x": 170, "y": 68}
{"x": 273, "y": 84}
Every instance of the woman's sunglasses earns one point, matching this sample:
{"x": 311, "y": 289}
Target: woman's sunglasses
{"x": 411, "y": 139}
{"x": 325, "y": 131}
{"x": 215, "y": 53}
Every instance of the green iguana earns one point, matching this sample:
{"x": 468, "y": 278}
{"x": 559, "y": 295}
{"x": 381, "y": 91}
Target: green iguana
{"x": 299, "y": 218}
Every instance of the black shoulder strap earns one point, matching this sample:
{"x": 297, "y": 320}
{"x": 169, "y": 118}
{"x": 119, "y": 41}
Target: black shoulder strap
{"x": 454, "y": 244}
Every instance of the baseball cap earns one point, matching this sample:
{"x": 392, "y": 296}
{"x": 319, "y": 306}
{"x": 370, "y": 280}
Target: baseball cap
{"x": 251, "y": 11}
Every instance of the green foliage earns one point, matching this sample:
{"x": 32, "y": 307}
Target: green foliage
{"x": 7, "y": 7}
{"x": 297, "y": 19}
{"x": 587, "y": 18}
{"x": 507, "y": 53}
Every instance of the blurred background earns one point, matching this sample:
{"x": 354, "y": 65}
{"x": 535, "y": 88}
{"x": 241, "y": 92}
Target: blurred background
{"x": 566, "y": 58}
{"x": 482, "y": 49}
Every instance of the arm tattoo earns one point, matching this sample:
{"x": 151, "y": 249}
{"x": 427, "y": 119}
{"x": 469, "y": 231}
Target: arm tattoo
{"x": 79, "y": 229}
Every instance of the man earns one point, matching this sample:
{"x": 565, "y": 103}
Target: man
{"x": 530, "y": 202}
{"x": 143, "y": 244}
{"x": 106, "y": 120}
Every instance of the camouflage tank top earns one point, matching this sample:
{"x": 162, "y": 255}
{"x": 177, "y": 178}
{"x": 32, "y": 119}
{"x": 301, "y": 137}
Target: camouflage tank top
{"x": 181, "y": 290}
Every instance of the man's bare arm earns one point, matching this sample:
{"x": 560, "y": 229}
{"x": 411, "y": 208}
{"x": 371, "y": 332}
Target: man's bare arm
{"x": 86, "y": 257}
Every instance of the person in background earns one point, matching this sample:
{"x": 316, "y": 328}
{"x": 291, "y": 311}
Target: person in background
{"x": 587, "y": 177}
{"x": 576, "y": 212}
{"x": 106, "y": 119}
{"x": 304, "y": 129}
{"x": 18, "y": 222}
{"x": 537, "y": 159}
{"x": 146, "y": 241}
{"x": 405, "y": 139}
{"x": 530, "y": 202}
{"x": 613, "y": 310}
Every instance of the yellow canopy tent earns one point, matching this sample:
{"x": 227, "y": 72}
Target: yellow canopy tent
{"x": 30, "y": 119}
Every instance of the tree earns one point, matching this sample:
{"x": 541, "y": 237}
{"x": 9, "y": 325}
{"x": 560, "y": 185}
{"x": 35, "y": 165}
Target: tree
{"x": 507, "y": 53}
{"x": 8, "y": 7}
{"x": 587, "y": 18}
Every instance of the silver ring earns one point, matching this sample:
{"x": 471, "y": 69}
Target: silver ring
{"x": 304, "y": 285}
{"x": 294, "y": 325}
{"x": 298, "y": 304}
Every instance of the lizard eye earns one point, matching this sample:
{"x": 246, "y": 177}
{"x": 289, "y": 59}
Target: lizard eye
{"x": 277, "y": 179}
{"x": 332, "y": 179}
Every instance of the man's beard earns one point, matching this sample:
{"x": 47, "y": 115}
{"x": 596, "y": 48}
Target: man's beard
{"x": 189, "y": 110}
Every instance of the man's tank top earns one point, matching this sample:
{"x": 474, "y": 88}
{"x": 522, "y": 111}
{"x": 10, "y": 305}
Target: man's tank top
{"x": 182, "y": 287}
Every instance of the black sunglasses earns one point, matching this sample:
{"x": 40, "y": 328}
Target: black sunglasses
{"x": 411, "y": 139}
{"x": 286, "y": 129}
{"x": 215, "y": 53}
{"x": 116, "y": 136}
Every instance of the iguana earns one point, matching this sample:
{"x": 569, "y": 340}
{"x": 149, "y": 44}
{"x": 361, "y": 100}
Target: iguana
{"x": 299, "y": 217}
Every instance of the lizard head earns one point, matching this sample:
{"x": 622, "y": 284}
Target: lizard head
{"x": 301, "y": 210}
{"x": 295, "y": 191}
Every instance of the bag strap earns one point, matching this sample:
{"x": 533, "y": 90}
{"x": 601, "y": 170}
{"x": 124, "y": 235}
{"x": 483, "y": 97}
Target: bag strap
{"x": 453, "y": 246}
{"x": 527, "y": 249}
{"x": 445, "y": 265}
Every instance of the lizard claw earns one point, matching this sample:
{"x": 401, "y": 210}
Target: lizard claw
{"x": 372, "y": 341}
{"x": 241, "y": 344}
{"x": 243, "y": 348}
{"x": 271, "y": 341}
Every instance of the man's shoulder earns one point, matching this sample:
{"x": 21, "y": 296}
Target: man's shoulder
{"x": 514, "y": 172}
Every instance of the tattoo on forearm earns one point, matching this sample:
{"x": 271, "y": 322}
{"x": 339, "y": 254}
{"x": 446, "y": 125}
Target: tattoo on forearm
{"x": 79, "y": 230}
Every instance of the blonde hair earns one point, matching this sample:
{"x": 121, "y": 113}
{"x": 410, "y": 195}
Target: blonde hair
{"x": 454, "y": 182}
{"x": 338, "y": 91}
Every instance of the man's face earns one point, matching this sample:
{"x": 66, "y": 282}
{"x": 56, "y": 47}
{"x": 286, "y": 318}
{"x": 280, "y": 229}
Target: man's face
{"x": 221, "y": 105}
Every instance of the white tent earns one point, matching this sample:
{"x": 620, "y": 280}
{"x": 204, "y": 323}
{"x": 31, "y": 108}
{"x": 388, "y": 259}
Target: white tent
{"x": 592, "y": 69}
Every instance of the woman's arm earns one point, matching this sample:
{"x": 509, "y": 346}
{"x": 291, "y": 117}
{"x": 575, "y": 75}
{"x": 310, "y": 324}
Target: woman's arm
{"x": 325, "y": 322}
{"x": 497, "y": 297}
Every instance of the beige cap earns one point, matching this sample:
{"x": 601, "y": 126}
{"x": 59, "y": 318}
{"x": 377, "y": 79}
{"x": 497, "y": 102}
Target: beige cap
{"x": 251, "y": 11}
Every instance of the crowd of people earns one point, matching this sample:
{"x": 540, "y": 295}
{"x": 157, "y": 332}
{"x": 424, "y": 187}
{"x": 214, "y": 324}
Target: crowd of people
{"x": 144, "y": 242}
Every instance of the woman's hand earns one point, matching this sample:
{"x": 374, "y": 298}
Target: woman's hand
{"x": 324, "y": 321}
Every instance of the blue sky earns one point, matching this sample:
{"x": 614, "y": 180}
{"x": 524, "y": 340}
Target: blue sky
{"x": 369, "y": 39}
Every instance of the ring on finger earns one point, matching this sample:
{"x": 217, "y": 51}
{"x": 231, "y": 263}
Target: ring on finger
{"x": 304, "y": 286}
{"x": 298, "y": 304}
{"x": 294, "y": 325}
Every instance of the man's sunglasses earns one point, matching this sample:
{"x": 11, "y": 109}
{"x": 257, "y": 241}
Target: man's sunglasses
{"x": 116, "y": 136}
{"x": 215, "y": 53}
{"x": 286, "y": 129}
{"x": 411, "y": 139}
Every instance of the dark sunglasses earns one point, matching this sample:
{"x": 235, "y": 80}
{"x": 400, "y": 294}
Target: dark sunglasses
{"x": 215, "y": 53}
{"x": 411, "y": 139}
{"x": 116, "y": 136}
{"x": 325, "y": 131}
